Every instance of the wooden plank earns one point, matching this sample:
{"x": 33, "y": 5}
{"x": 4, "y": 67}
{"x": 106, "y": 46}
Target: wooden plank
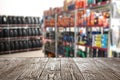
{"x": 34, "y": 70}
{"x": 65, "y": 71}
{"x": 39, "y": 68}
{"x": 69, "y": 70}
{"x": 59, "y": 69}
{"x": 8, "y": 63}
{"x": 52, "y": 70}
{"x": 112, "y": 63}
{"x": 13, "y": 72}
{"x": 88, "y": 69}
{"x": 108, "y": 73}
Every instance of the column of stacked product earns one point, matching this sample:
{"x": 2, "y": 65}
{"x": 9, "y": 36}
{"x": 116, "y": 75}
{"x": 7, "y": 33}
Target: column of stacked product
{"x": 64, "y": 37}
{"x": 18, "y": 34}
{"x": 65, "y": 34}
{"x": 93, "y": 22}
{"x": 49, "y": 21}
{"x": 82, "y": 28}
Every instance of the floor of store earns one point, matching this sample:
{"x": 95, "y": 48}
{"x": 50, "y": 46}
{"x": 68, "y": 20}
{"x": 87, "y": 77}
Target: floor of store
{"x": 38, "y": 53}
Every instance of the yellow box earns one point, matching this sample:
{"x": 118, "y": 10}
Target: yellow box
{"x": 98, "y": 45}
{"x": 98, "y": 42}
{"x": 98, "y": 36}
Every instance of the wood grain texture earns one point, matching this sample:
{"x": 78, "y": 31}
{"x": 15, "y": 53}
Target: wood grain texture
{"x": 88, "y": 69}
{"x": 69, "y": 70}
{"x": 109, "y": 74}
{"x": 113, "y": 66}
{"x": 9, "y": 65}
{"x": 59, "y": 69}
{"x": 34, "y": 69}
{"x": 52, "y": 70}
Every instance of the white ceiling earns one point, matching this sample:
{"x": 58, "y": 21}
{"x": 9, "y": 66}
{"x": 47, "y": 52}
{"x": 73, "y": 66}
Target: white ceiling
{"x": 27, "y": 7}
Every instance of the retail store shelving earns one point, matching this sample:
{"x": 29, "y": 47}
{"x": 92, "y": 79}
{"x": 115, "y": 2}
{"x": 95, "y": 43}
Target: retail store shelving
{"x": 20, "y": 38}
{"x": 99, "y": 7}
{"x": 49, "y": 50}
{"x": 93, "y": 47}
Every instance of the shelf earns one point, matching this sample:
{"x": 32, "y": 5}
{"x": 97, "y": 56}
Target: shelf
{"x": 49, "y": 26}
{"x": 22, "y": 50}
{"x": 65, "y": 41}
{"x": 92, "y": 26}
{"x": 15, "y": 51}
{"x": 66, "y": 26}
{"x": 17, "y": 38}
{"x": 4, "y": 25}
{"x": 60, "y": 40}
{"x": 84, "y": 26}
{"x": 68, "y": 42}
{"x": 4, "y": 52}
{"x": 103, "y": 49}
{"x": 83, "y": 45}
{"x": 33, "y": 24}
{"x": 100, "y": 4}
{"x": 31, "y": 49}
{"x": 93, "y": 47}
{"x": 49, "y": 50}
{"x": 14, "y": 25}
{"x": 50, "y": 40}
{"x": 66, "y": 12}
{"x": 34, "y": 37}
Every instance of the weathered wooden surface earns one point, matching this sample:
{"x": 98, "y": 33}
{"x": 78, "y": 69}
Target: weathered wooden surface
{"x": 59, "y": 69}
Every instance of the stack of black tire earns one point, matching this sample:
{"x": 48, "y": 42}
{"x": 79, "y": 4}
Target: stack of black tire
{"x": 20, "y": 45}
{"x": 33, "y": 31}
{"x": 5, "y": 32}
{"x": 19, "y": 20}
{"x": 34, "y": 43}
{"x": 19, "y": 32}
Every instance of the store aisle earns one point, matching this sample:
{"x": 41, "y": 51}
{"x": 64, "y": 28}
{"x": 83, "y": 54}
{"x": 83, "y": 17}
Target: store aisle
{"x": 38, "y": 53}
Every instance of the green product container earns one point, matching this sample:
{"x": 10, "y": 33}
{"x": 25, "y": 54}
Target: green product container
{"x": 97, "y": 1}
{"x": 81, "y": 53}
{"x": 72, "y": 50}
{"x": 90, "y": 1}
{"x": 67, "y": 49}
